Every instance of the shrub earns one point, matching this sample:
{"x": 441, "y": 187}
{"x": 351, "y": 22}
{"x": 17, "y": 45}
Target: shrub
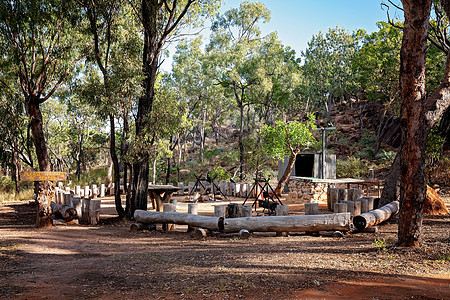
{"x": 352, "y": 167}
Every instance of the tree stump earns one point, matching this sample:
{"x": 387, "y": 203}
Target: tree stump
{"x": 86, "y": 204}
{"x": 169, "y": 207}
{"x": 77, "y": 190}
{"x": 193, "y": 210}
{"x": 94, "y": 211}
{"x": 343, "y": 195}
{"x": 340, "y": 207}
{"x": 181, "y": 191}
{"x": 282, "y": 210}
{"x": 233, "y": 210}
{"x": 44, "y": 192}
{"x": 311, "y": 208}
{"x": 364, "y": 205}
{"x": 77, "y": 205}
{"x": 357, "y": 209}
{"x": 354, "y": 194}
{"x": 86, "y": 191}
{"x": 245, "y": 211}
{"x": 332, "y": 197}
{"x": 350, "y": 207}
{"x": 220, "y": 211}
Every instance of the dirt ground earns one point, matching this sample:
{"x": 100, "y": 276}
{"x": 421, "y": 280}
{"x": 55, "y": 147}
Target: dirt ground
{"x": 110, "y": 262}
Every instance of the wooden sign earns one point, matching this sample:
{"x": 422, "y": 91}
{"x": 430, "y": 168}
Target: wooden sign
{"x": 43, "y": 176}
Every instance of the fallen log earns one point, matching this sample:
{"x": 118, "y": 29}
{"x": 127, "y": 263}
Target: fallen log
{"x": 211, "y": 223}
{"x": 65, "y": 212}
{"x": 299, "y": 223}
{"x": 376, "y": 216}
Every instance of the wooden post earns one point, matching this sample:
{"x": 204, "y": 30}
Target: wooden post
{"x": 244, "y": 190}
{"x": 350, "y": 207}
{"x": 94, "y": 191}
{"x": 193, "y": 210}
{"x": 370, "y": 200}
{"x": 169, "y": 207}
{"x": 77, "y": 190}
{"x": 233, "y": 210}
{"x": 332, "y": 197}
{"x": 94, "y": 211}
{"x": 245, "y": 211}
{"x": 282, "y": 210}
{"x": 340, "y": 207}
{"x": 112, "y": 191}
{"x": 343, "y": 195}
{"x": 354, "y": 194}
{"x": 67, "y": 199}
{"x": 357, "y": 209}
{"x": 311, "y": 208}
{"x": 220, "y": 211}
{"x": 364, "y": 205}
{"x": 191, "y": 187}
{"x": 77, "y": 205}
{"x": 237, "y": 189}
{"x": 86, "y": 191}
{"x": 85, "y": 207}
{"x": 102, "y": 190}
{"x": 181, "y": 191}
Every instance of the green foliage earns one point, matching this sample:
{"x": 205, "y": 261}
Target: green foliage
{"x": 434, "y": 145}
{"x": 282, "y": 139}
{"x": 219, "y": 174}
{"x": 352, "y": 167}
{"x": 386, "y": 156}
{"x": 95, "y": 175}
{"x": 382, "y": 246}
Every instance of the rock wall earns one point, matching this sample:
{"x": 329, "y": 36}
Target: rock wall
{"x": 307, "y": 191}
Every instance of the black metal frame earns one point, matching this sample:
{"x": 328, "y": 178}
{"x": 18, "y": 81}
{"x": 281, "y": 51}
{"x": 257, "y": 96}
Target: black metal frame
{"x": 264, "y": 188}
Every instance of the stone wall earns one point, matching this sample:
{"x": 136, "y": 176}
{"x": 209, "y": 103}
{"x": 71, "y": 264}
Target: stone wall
{"x": 304, "y": 191}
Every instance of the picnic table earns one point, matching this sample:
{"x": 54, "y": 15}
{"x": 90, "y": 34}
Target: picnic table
{"x": 160, "y": 193}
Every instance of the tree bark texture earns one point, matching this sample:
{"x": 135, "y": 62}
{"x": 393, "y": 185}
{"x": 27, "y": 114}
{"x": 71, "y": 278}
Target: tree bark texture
{"x": 34, "y": 112}
{"x": 287, "y": 172}
{"x": 44, "y": 192}
{"x": 151, "y": 217}
{"x": 412, "y": 120}
{"x": 115, "y": 162}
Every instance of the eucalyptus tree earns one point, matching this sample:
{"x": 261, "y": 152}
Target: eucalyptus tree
{"x": 327, "y": 66}
{"x": 234, "y": 41}
{"x": 40, "y": 44}
{"x": 113, "y": 75}
{"x": 192, "y": 80}
{"x": 287, "y": 139}
{"x": 162, "y": 21}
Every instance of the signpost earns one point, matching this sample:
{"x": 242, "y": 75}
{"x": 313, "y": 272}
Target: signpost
{"x": 43, "y": 176}
{"x": 44, "y": 192}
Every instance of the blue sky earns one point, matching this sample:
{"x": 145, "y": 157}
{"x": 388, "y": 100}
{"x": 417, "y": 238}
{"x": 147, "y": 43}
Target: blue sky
{"x": 296, "y": 21}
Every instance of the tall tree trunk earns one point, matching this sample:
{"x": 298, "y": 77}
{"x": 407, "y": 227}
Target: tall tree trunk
{"x": 391, "y": 189}
{"x": 115, "y": 161}
{"x": 151, "y": 52}
{"x": 287, "y": 172}
{"x": 241, "y": 142}
{"x": 413, "y": 122}
{"x": 34, "y": 113}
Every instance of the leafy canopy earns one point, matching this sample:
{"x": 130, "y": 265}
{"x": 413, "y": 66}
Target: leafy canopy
{"x": 285, "y": 138}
